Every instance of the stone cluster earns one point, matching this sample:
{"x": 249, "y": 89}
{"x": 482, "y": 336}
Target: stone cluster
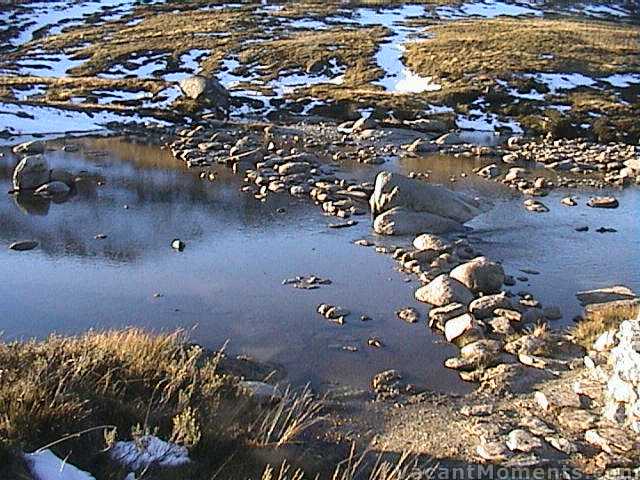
{"x": 623, "y": 386}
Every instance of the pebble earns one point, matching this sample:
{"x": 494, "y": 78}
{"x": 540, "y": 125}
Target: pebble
{"x": 23, "y": 245}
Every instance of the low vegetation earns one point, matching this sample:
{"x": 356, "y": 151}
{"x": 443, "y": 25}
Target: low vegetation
{"x": 601, "y": 318}
{"x": 78, "y": 395}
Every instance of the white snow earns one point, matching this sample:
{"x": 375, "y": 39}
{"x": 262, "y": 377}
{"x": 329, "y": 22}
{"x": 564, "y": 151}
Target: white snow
{"x": 48, "y": 65}
{"x": 485, "y": 122}
{"x": 486, "y": 9}
{"x": 622, "y": 80}
{"x": 398, "y": 78}
{"x": 45, "y": 465}
{"x": 53, "y": 16}
{"x": 562, "y": 81}
{"x": 29, "y": 119}
{"x": 147, "y": 451}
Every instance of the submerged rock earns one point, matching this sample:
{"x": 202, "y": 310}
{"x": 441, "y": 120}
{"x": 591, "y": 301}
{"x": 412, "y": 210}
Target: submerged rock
{"x": 30, "y": 173}
{"x": 24, "y": 245}
{"x": 30, "y": 148}
{"x": 53, "y": 188}
{"x": 401, "y": 221}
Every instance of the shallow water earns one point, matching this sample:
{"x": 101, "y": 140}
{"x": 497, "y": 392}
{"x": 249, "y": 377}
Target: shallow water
{"x": 227, "y": 283}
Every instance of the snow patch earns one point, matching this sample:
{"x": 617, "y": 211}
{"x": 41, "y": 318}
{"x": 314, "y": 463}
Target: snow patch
{"x": 149, "y": 451}
{"x": 45, "y": 465}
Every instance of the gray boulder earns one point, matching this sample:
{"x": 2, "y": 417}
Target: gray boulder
{"x": 447, "y": 210}
{"x": 206, "y": 89}
{"x": 402, "y": 221}
{"x": 30, "y": 173}
{"x": 480, "y": 275}
{"x": 484, "y": 307}
{"x": 53, "y": 188}
{"x": 444, "y": 290}
{"x": 30, "y": 148}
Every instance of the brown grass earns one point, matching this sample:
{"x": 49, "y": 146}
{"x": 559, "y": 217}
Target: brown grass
{"x": 600, "y": 318}
{"x": 503, "y": 46}
{"x": 121, "y": 384}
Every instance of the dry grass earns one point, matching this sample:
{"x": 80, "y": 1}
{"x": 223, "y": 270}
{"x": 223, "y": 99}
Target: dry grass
{"x": 365, "y": 466}
{"x": 294, "y": 414}
{"x": 600, "y": 318}
{"x": 122, "y": 384}
{"x": 504, "y": 46}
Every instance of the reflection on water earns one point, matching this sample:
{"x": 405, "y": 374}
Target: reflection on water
{"x": 227, "y": 284}
{"x": 228, "y": 281}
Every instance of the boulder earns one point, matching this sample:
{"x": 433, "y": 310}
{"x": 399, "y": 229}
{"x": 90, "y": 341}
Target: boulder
{"x": 364, "y": 123}
{"x": 459, "y": 326}
{"x": 480, "y": 275}
{"x": 604, "y": 295}
{"x": 395, "y": 190}
{"x": 484, "y": 307}
{"x": 53, "y": 188}
{"x": 59, "y": 175}
{"x": 30, "y": 173}
{"x": 427, "y": 241}
{"x": 444, "y": 290}
{"x": 603, "y": 202}
{"x": 439, "y": 316}
{"x": 30, "y": 148}
{"x": 206, "y": 89}
{"x": 402, "y": 221}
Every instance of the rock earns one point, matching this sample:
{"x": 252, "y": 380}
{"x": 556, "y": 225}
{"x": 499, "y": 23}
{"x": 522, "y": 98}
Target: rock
{"x": 395, "y": 190}
{"x": 456, "y": 327}
{"x": 484, "y": 307}
{"x": 576, "y": 420}
{"x": 387, "y": 382}
{"x": 511, "y": 378}
{"x": 520, "y": 440}
{"x": 444, "y": 290}
{"x": 53, "y": 188}
{"x": 292, "y": 168}
{"x": 482, "y": 352}
{"x": 552, "y": 313}
{"x": 30, "y": 173}
{"x": 610, "y": 439}
{"x": 515, "y": 173}
{"x": 364, "y": 123}
{"x": 604, "y": 295}
{"x": 493, "y": 451}
{"x": 209, "y": 90}
{"x": 439, "y": 316}
{"x": 427, "y": 241}
{"x": 560, "y": 398}
{"x": 535, "y": 206}
{"x": 480, "y": 275}
{"x": 409, "y": 315}
{"x": 449, "y": 139}
{"x": 603, "y": 202}
{"x": 23, "y": 246}
{"x": 562, "y": 444}
{"x": 605, "y": 341}
{"x": 58, "y": 175}
{"x": 501, "y": 325}
{"x": 261, "y": 391}
{"x": 30, "y": 148}
{"x": 421, "y": 145}
{"x": 569, "y": 201}
{"x": 490, "y": 171}
{"x": 401, "y": 221}
{"x": 178, "y": 244}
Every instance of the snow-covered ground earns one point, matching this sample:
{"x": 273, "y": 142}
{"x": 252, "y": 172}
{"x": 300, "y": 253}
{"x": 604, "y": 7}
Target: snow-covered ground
{"x": 45, "y": 465}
